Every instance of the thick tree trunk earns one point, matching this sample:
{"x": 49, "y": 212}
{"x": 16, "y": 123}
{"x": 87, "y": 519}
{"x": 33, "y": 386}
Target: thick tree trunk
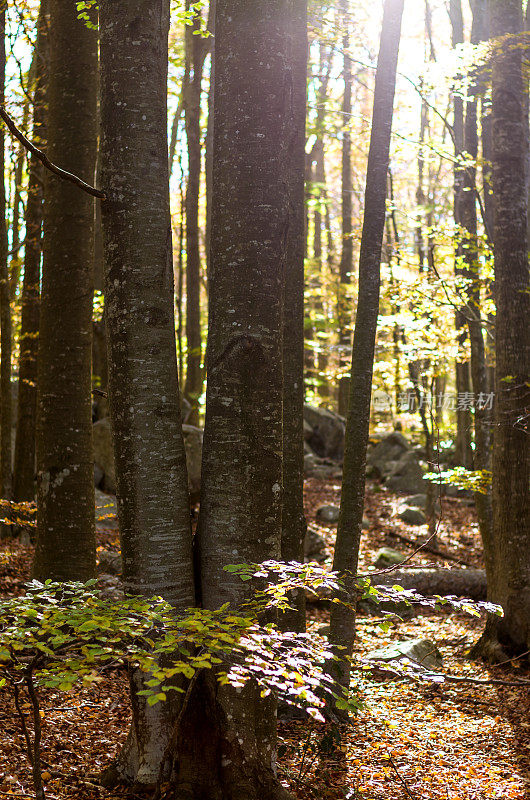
{"x": 152, "y": 489}
{"x": 346, "y": 260}
{"x": 195, "y": 53}
{"x": 293, "y": 519}
{"x": 24, "y": 467}
{"x": 241, "y": 497}
{"x": 5, "y": 309}
{"x": 66, "y": 547}
{"x": 358, "y": 418}
{"x": 510, "y": 586}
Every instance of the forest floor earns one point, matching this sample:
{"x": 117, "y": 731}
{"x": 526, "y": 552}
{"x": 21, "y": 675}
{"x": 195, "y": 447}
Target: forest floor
{"x": 410, "y": 741}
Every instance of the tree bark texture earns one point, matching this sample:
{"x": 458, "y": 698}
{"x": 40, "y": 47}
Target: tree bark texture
{"x": 152, "y": 489}
{"x": 358, "y": 417}
{"x": 195, "y": 53}
{"x": 5, "y": 310}
{"x": 24, "y": 465}
{"x": 293, "y": 518}
{"x": 346, "y": 260}
{"x": 511, "y": 452}
{"x": 66, "y": 548}
{"x": 241, "y": 497}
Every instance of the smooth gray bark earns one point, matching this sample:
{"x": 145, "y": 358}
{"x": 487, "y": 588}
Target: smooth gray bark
{"x": 66, "y": 547}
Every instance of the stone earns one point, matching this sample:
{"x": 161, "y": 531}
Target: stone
{"x": 109, "y": 562}
{"x": 385, "y": 455}
{"x": 386, "y": 557}
{"x": 193, "y": 438}
{"x": 104, "y": 454}
{"x": 98, "y": 476}
{"x": 314, "y": 547}
{"x": 328, "y": 431}
{"x": 366, "y": 524}
{"x": 106, "y": 511}
{"x": 421, "y": 652}
{"x": 308, "y": 431}
{"x": 406, "y": 476}
{"x": 185, "y": 408}
{"x": 417, "y": 500}
{"x": 328, "y": 514}
{"x": 413, "y": 516}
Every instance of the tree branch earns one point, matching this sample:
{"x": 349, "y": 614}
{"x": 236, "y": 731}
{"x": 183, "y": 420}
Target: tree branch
{"x": 43, "y": 158}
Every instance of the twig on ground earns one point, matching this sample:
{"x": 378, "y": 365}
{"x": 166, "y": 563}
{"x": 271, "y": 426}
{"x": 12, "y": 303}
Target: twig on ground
{"x": 401, "y": 778}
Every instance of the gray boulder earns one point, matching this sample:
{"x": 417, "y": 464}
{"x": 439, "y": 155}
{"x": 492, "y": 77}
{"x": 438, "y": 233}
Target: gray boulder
{"x": 387, "y": 557}
{"x": 421, "y": 652}
{"x": 109, "y": 562}
{"x": 110, "y": 588}
{"x": 329, "y": 514}
{"x": 413, "y": 516}
{"x": 327, "y": 432}
{"x": 104, "y": 454}
{"x": 406, "y": 476}
{"x": 314, "y": 547}
{"x": 384, "y": 456}
{"x": 417, "y": 500}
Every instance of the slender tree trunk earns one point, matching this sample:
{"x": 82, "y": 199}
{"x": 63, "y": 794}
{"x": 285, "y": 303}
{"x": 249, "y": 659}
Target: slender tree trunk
{"x": 358, "y": 417}
{"x": 14, "y": 266}
{"x": 346, "y": 261}
{"x": 510, "y": 586}
{"x": 293, "y": 519}
{"x": 195, "y": 52}
{"x": 468, "y": 219}
{"x": 153, "y": 503}
{"x": 5, "y": 308}
{"x": 66, "y": 547}
{"x": 24, "y": 468}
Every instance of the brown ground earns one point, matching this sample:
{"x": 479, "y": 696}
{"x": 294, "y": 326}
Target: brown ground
{"x": 449, "y": 742}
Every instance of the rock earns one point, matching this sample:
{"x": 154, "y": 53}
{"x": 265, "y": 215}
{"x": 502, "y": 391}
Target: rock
{"x": 106, "y": 511}
{"x": 328, "y": 513}
{"x": 308, "y": 431}
{"x": 413, "y": 516}
{"x": 366, "y": 524}
{"x": 385, "y": 455}
{"x": 193, "y": 443}
{"x": 314, "y": 547}
{"x": 386, "y": 557}
{"x": 185, "y": 408}
{"x": 422, "y": 652}
{"x": 109, "y": 562}
{"x": 417, "y": 500}
{"x": 104, "y": 453}
{"x": 110, "y": 588}
{"x": 328, "y": 429}
{"x": 406, "y": 476}
{"x": 98, "y": 476}
{"x": 104, "y": 456}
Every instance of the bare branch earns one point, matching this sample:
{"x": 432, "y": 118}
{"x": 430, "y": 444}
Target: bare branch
{"x": 43, "y": 158}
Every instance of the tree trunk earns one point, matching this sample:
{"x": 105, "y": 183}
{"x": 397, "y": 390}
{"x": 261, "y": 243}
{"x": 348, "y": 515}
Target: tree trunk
{"x": 468, "y": 214}
{"x": 5, "y": 309}
{"x": 358, "y": 417}
{"x": 195, "y": 52}
{"x": 241, "y": 496}
{"x": 346, "y": 260}
{"x": 510, "y": 586}
{"x": 66, "y": 546}
{"x": 293, "y": 519}
{"x": 153, "y": 503}
{"x": 469, "y": 583}
{"x": 24, "y": 468}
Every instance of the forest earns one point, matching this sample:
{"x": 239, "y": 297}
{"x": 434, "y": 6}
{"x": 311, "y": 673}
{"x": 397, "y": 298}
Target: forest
{"x": 265, "y": 400}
